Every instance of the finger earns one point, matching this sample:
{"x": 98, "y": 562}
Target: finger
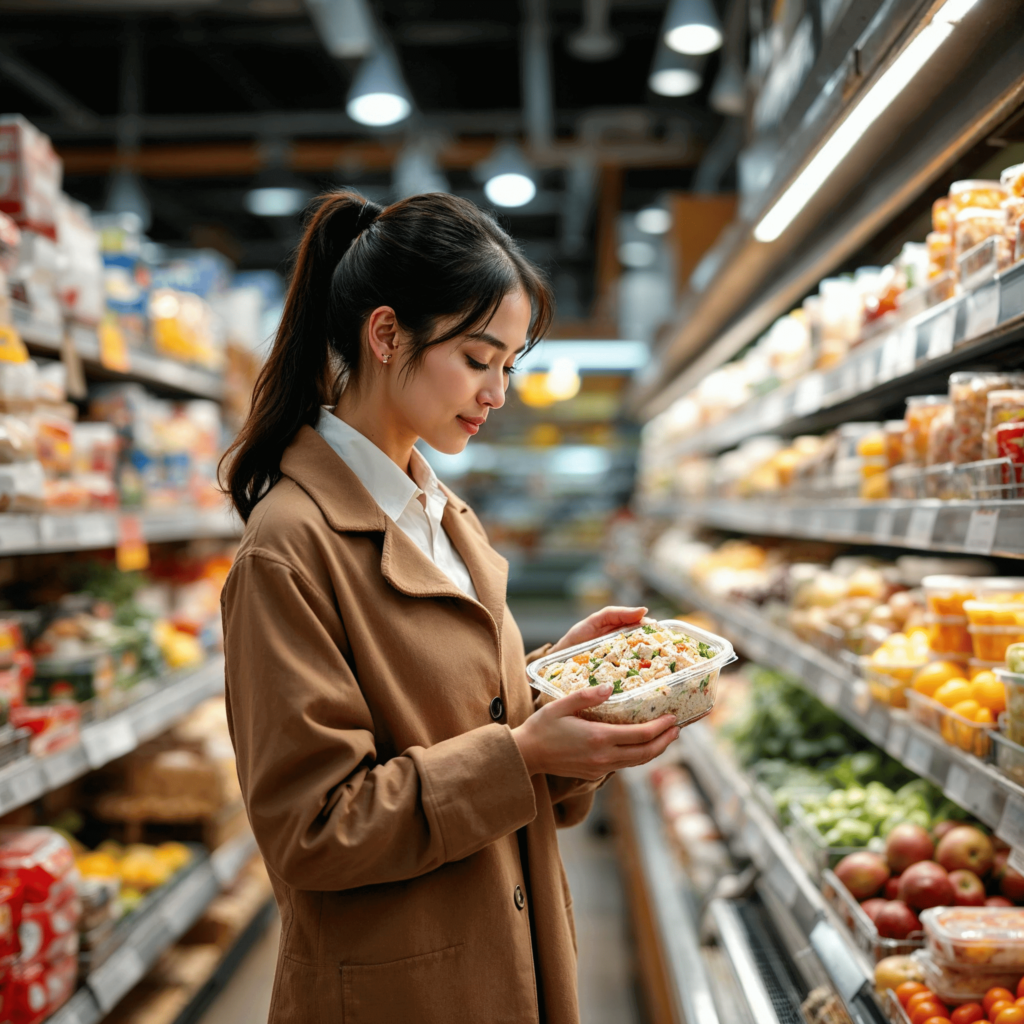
{"x": 631, "y": 735}
{"x": 619, "y": 614}
{"x": 644, "y": 752}
{"x": 579, "y": 700}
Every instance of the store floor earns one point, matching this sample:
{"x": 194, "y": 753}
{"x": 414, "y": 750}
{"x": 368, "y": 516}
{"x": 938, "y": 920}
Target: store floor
{"x": 606, "y": 991}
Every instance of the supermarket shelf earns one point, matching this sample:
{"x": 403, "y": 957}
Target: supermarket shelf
{"x": 977, "y": 787}
{"x": 28, "y": 778}
{"x": 678, "y": 930}
{"x": 911, "y": 359}
{"x": 746, "y": 825}
{"x": 158, "y": 927}
{"x": 963, "y": 527}
{"x": 146, "y": 368}
{"x": 35, "y": 534}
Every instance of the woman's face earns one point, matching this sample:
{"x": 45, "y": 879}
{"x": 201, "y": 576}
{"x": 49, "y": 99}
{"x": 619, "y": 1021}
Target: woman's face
{"x": 458, "y": 383}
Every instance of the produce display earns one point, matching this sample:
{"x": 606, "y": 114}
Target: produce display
{"x": 668, "y": 668}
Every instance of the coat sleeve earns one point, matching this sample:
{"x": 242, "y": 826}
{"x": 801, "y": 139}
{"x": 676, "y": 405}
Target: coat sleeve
{"x": 570, "y": 798}
{"x": 327, "y": 816}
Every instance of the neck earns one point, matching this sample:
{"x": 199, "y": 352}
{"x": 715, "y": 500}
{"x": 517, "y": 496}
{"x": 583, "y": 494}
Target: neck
{"x": 370, "y": 416}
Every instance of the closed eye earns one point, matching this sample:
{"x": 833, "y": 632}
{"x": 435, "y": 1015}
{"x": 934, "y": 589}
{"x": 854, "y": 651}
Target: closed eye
{"x": 475, "y": 364}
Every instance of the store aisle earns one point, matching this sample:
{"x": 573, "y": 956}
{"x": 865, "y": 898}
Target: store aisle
{"x": 606, "y": 990}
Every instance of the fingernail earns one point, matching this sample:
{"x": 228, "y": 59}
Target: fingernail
{"x": 604, "y": 689}
{"x": 675, "y": 732}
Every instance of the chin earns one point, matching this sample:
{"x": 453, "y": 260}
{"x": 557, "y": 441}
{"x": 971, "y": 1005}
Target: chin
{"x": 448, "y": 444}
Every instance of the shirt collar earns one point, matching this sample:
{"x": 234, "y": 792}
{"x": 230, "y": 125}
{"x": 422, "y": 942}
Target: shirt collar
{"x": 391, "y": 488}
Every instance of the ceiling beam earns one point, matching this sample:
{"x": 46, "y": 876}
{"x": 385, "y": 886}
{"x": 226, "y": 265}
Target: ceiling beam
{"x": 46, "y": 90}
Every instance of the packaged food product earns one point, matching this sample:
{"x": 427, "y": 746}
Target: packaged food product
{"x": 30, "y": 176}
{"x": 38, "y": 857}
{"x": 677, "y": 667}
{"x": 1014, "y": 683}
{"x": 1015, "y": 658}
{"x": 1009, "y": 444}
{"x": 53, "y": 726}
{"x": 948, "y": 635}
{"x": 993, "y": 612}
{"x": 54, "y": 442}
{"x": 991, "y": 642}
{"x": 945, "y": 595}
{"x": 968, "y": 395}
{"x": 970, "y": 735}
{"x": 895, "y": 433}
{"x": 1009, "y": 755}
{"x": 921, "y": 410}
{"x": 11, "y": 899}
{"x": 954, "y": 983}
{"x": 990, "y": 937}
{"x": 940, "y": 253}
{"x": 1012, "y": 179}
{"x": 981, "y": 194}
{"x": 77, "y": 678}
{"x": 940, "y": 437}
{"x": 975, "y": 224}
{"x": 48, "y": 931}
{"x": 942, "y": 217}
{"x": 975, "y": 666}
{"x": 1002, "y": 407}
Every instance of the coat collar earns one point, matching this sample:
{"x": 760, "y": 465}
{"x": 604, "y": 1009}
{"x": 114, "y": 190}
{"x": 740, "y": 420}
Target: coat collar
{"x": 348, "y": 507}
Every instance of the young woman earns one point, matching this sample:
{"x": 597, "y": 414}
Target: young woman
{"x": 402, "y": 780}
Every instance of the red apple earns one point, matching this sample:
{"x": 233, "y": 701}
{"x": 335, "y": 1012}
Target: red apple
{"x": 873, "y": 906}
{"x": 967, "y": 888}
{"x": 906, "y": 844}
{"x": 940, "y": 828}
{"x": 925, "y": 885}
{"x": 896, "y": 920}
{"x": 892, "y": 888}
{"x": 965, "y": 847}
{"x": 863, "y": 873}
{"x": 998, "y": 901}
{"x": 1006, "y": 880}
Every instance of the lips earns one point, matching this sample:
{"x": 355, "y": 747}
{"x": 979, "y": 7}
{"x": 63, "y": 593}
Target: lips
{"x": 471, "y": 424}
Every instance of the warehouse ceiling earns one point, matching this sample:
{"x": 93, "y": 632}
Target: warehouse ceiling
{"x": 200, "y": 102}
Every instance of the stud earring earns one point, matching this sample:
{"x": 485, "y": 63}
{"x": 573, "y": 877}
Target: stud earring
{"x": 386, "y": 358}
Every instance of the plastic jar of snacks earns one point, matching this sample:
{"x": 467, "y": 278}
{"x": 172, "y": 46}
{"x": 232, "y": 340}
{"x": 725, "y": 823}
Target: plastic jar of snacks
{"x": 968, "y": 395}
{"x": 921, "y": 410}
{"x": 945, "y": 595}
{"x": 895, "y": 432}
{"x": 940, "y": 252}
{"x": 1012, "y": 179}
{"x": 978, "y": 193}
{"x": 940, "y": 437}
{"x": 974, "y": 224}
{"x": 1002, "y": 407}
{"x": 948, "y": 636}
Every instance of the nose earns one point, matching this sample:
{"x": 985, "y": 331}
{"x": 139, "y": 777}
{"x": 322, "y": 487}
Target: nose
{"x": 493, "y": 395}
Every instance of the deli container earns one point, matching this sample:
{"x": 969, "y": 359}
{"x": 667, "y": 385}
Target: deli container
{"x": 976, "y": 937}
{"x": 955, "y": 983}
{"x": 945, "y": 595}
{"x": 921, "y": 410}
{"x": 689, "y": 694}
{"x": 955, "y": 729}
{"x": 948, "y": 636}
{"x": 991, "y": 642}
{"x": 1014, "y": 683}
{"x": 861, "y": 927}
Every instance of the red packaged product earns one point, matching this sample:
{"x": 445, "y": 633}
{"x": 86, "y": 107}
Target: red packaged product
{"x": 38, "y": 857}
{"x": 26, "y": 997}
{"x": 11, "y": 899}
{"x": 15, "y": 678}
{"x": 30, "y": 176}
{"x": 60, "y": 981}
{"x": 53, "y": 726}
{"x": 49, "y": 930}
{"x": 1009, "y": 439}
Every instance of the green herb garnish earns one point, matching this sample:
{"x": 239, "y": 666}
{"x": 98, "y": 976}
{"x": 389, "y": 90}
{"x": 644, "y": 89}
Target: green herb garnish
{"x": 704, "y": 650}
{"x": 616, "y": 688}
{"x": 647, "y": 629}
{"x": 593, "y": 680}
{"x": 632, "y": 672}
{"x": 635, "y": 655}
{"x": 704, "y": 683}
{"x": 672, "y": 667}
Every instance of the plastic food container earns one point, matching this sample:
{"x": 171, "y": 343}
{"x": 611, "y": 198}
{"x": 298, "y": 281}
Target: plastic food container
{"x": 990, "y": 937}
{"x": 991, "y": 642}
{"x": 975, "y": 666}
{"x": 921, "y": 410}
{"x": 954, "y": 983}
{"x": 974, "y": 224}
{"x": 1014, "y": 683}
{"x": 980, "y": 193}
{"x": 1012, "y": 179}
{"x": 940, "y": 252}
{"x": 888, "y": 684}
{"x": 689, "y": 693}
{"x": 957, "y": 731}
{"x": 940, "y": 438}
{"x": 948, "y": 635}
{"x": 994, "y": 613}
{"x": 1009, "y": 756}
{"x": 942, "y": 215}
{"x": 945, "y": 595}
{"x": 1003, "y": 407}
{"x": 968, "y": 395}
{"x": 895, "y": 432}
{"x": 861, "y": 927}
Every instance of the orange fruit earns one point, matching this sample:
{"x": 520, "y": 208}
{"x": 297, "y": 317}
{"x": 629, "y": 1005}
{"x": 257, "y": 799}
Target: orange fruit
{"x": 997, "y": 1008}
{"x": 928, "y": 1009}
{"x": 1011, "y": 1015}
{"x": 984, "y": 716}
{"x": 968, "y": 1013}
{"x": 994, "y": 995}
{"x": 953, "y": 691}
{"x": 906, "y": 989}
{"x": 930, "y": 677}
{"x": 927, "y": 996}
{"x": 989, "y": 692}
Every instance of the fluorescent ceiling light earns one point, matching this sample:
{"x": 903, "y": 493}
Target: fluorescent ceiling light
{"x": 654, "y": 220}
{"x": 275, "y": 202}
{"x": 675, "y": 82}
{"x": 508, "y": 177}
{"x": 692, "y": 26}
{"x": 593, "y": 356}
{"x": 378, "y": 96}
{"x": 868, "y": 109}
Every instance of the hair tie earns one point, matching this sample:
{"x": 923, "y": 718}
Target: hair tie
{"x": 367, "y": 215}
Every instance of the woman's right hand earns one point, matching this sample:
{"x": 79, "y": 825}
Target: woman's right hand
{"x": 554, "y": 741}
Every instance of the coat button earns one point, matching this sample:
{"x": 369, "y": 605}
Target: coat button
{"x": 497, "y": 709}
{"x": 519, "y": 898}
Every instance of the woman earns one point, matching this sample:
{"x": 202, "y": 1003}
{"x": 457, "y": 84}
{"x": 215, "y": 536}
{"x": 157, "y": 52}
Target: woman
{"x": 402, "y": 781}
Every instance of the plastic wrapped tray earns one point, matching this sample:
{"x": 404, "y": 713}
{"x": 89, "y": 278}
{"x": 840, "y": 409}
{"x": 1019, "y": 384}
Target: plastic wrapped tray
{"x": 976, "y": 938}
{"x": 955, "y": 984}
{"x": 688, "y": 694}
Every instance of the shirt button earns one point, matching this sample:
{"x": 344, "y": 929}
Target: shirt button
{"x": 497, "y": 709}
{"x": 519, "y": 898}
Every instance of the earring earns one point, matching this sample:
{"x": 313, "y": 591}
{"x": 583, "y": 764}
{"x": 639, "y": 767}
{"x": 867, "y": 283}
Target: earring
{"x": 386, "y": 358}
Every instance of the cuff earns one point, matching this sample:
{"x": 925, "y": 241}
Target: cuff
{"x": 479, "y": 788}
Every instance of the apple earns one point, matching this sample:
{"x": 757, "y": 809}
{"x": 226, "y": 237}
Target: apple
{"x": 873, "y": 906}
{"x": 965, "y": 847}
{"x": 1006, "y": 880}
{"x": 997, "y": 901}
{"x": 940, "y": 828}
{"x": 895, "y": 920}
{"x": 907, "y": 844}
{"x": 967, "y": 888}
{"x": 925, "y": 885}
{"x": 863, "y": 873}
{"x": 892, "y": 888}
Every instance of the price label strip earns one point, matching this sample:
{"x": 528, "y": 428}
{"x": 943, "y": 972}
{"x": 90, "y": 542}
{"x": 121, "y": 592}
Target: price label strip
{"x": 982, "y": 310}
{"x": 877, "y": 725}
{"x": 782, "y": 883}
{"x": 20, "y": 787}
{"x": 943, "y": 331}
{"x": 981, "y": 531}
{"x": 885, "y": 519}
{"x": 809, "y": 394}
{"x": 1011, "y": 825}
{"x": 958, "y": 785}
{"x": 113, "y": 980}
{"x": 918, "y": 756}
{"x": 830, "y": 690}
{"x": 108, "y": 741}
{"x": 896, "y": 741}
{"x": 19, "y": 533}
{"x": 921, "y": 527}
{"x": 58, "y": 531}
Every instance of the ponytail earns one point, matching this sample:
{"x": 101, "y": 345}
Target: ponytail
{"x": 428, "y": 257}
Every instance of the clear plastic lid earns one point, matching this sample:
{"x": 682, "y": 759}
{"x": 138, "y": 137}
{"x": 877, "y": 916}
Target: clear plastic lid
{"x": 976, "y": 926}
{"x": 918, "y": 400}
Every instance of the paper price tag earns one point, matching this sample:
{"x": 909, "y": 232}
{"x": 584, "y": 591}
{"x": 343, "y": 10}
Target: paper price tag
{"x": 118, "y": 976}
{"x": 1011, "y": 825}
{"x": 20, "y": 787}
{"x": 889, "y": 365}
{"x": 896, "y": 741}
{"x": 885, "y": 519}
{"x": 58, "y": 531}
{"x": 830, "y": 690}
{"x": 866, "y": 371}
{"x": 108, "y": 741}
{"x": 918, "y": 756}
{"x": 906, "y": 350}
{"x": 809, "y": 394}
{"x": 61, "y": 768}
{"x": 861, "y": 697}
{"x": 981, "y": 531}
{"x": 943, "y": 330}
{"x": 877, "y": 725}
{"x": 982, "y": 310}
{"x": 848, "y": 378}
{"x": 958, "y": 784}
{"x": 96, "y": 530}
{"x": 19, "y": 533}
{"x": 922, "y": 526}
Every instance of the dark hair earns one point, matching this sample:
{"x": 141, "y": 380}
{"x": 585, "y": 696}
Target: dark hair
{"x": 429, "y": 257}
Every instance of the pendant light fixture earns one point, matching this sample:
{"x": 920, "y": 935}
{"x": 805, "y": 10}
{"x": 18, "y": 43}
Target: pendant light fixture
{"x": 692, "y": 27}
{"x": 378, "y": 96}
{"x": 507, "y": 176}
{"x": 675, "y": 74}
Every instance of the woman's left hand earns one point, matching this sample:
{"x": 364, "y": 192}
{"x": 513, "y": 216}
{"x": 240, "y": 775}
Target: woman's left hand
{"x": 605, "y": 621}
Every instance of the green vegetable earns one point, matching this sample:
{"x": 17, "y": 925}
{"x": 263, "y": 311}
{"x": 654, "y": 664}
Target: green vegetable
{"x": 617, "y": 688}
{"x": 704, "y": 684}
{"x": 632, "y": 672}
{"x": 672, "y": 666}
{"x": 647, "y": 629}
{"x": 635, "y": 656}
{"x": 704, "y": 650}
{"x": 592, "y": 680}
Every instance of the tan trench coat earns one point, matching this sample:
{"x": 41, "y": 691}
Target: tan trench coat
{"x": 414, "y": 859}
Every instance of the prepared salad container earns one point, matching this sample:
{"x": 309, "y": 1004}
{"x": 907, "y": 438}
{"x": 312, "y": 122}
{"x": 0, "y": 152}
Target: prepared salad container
{"x": 974, "y": 937}
{"x": 955, "y": 984}
{"x": 670, "y": 667}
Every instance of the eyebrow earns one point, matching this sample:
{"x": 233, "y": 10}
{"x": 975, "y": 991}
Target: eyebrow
{"x": 492, "y": 340}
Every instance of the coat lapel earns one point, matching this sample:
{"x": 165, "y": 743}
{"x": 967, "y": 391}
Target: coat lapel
{"x": 488, "y": 569}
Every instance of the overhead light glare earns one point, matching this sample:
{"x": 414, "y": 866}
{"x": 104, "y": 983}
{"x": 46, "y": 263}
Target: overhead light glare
{"x": 675, "y": 82}
{"x": 275, "y": 202}
{"x": 378, "y": 109}
{"x": 692, "y": 27}
{"x": 637, "y": 255}
{"x": 510, "y": 189}
{"x": 654, "y": 220}
{"x": 563, "y": 380}
{"x": 870, "y": 107}
{"x": 378, "y": 96}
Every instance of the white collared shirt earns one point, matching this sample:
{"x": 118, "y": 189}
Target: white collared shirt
{"x": 399, "y": 496}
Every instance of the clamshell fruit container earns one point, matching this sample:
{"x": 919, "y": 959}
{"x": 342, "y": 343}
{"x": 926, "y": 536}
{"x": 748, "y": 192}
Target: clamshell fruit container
{"x": 688, "y": 694}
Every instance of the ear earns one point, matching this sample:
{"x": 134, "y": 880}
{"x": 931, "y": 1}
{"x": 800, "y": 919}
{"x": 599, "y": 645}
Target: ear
{"x": 383, "y": 334}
